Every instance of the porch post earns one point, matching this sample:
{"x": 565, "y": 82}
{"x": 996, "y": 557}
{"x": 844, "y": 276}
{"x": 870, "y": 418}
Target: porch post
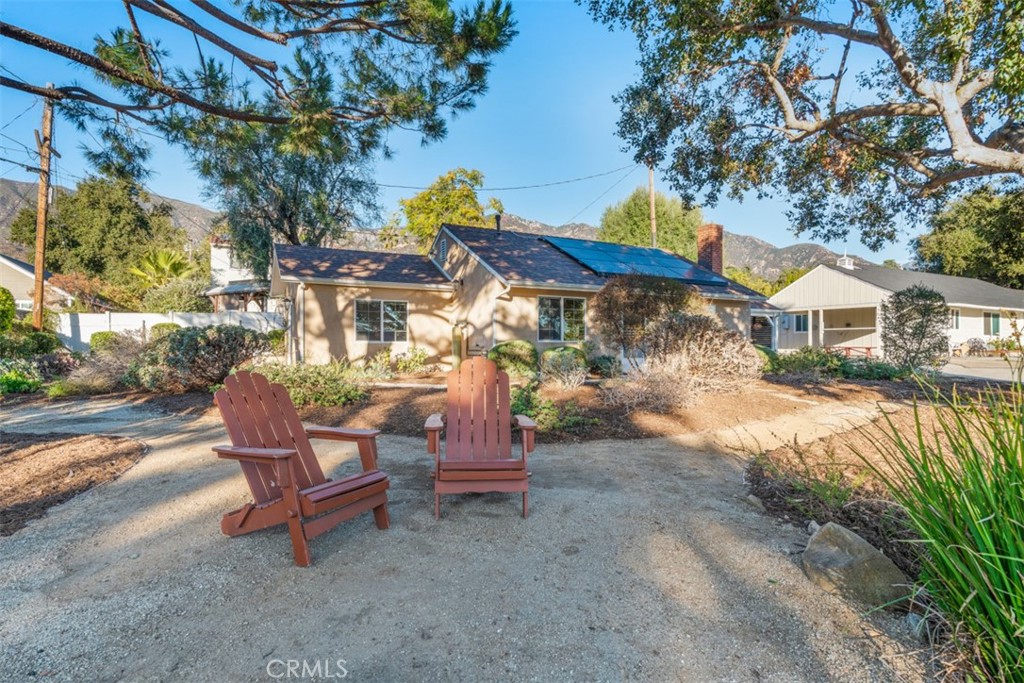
{"x": 821, "y": 326}
{"x": 810, "y": 327}
{"x": 878, "y": 330}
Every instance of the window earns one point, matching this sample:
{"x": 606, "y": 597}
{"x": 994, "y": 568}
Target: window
{"x": 234, "y": 261}
{"x": 800, "y": 322}
{"x": 382, "y": 321}
{"x": 954, "y": 318}
{"x": 562, "y": 319}
{"x": 442, "y": 250}
{"x": 992, "y": 324}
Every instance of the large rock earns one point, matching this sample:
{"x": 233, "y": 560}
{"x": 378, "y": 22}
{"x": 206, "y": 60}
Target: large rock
{"x": 842, "y": 562}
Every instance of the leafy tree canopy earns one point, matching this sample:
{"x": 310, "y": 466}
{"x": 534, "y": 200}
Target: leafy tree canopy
{"x": 314, "y": 68}
{"x": 629, "y": 222}
{"x": 100, "y": 230}
{"x": 748, "y": 278}
{"x": 741, "y": 97}
{"x": 979, "y": 235}
{"x": 452, "y": 198}
{"x": 269, "y": 195}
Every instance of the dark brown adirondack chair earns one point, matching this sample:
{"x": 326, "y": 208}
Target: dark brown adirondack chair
{"x": 478, "y": 449}
{"x": 288, "y": 486}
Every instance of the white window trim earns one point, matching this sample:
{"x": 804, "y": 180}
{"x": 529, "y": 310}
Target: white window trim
{"x": 990, "y": 317}
{"x": 954, "y": 318}
{"x": 796, "y": 322}
{"x": 561, "y": 316}
{"x": 379, "y": 302}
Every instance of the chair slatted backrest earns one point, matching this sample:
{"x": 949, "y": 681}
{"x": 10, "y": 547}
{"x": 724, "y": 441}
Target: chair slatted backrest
{"x": 258, "y": 414}
{"x": 479, "y": 425}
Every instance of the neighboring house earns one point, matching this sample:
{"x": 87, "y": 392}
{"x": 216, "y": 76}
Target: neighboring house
{"x": 840, "y": 306}
{"x": 233, "y": 287}
{"x": 493, "y": 285}
{"x": 19, "y": 278}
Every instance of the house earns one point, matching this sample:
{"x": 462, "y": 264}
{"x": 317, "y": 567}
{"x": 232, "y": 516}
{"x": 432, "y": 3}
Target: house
{"x": 233, "y": 286}
{"x": 483, "y": 285}
{"x": 19, "y": 278}
{"x": 840, "y": 307}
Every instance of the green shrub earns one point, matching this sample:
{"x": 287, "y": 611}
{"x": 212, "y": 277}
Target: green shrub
{"x": 14, "y": 345}
{"x": 184, "y": 295}
{"x": 102, "y": 341}
{"x": 546, "y": 413}
{"x": 62, "y": 389}
{"x": 606, "y": 366}
{"x": 109, "y": 367}
{"x": 59, "y": 363}
{"x": 962, "y": 485}
{"x": 872, "y": 369}
{"x": 200, "y": 357}
{"x": 18, "y": 376}
{"x": 43, "y": 342}
{"x": 768, "y": 357}
{"x": 810, "y": 361}
{"x": 379, "y": 366}
{"x": 516, "y": 357}
{"x": 412, "y": 362}
{"x": 161, "y": 330}
{"x": 276, "y": 339}
{"x": 336, "y": 384}
{"x": 8, "y": 310}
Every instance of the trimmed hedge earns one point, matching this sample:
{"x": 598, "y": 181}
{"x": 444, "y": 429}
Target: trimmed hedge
{"x": 102, "y": 341}
{"x": 516, "y": 357}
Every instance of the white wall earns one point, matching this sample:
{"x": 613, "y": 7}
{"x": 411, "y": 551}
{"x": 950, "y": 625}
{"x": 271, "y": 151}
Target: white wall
{"x": 972, "y": 325}
{"x": 76, "y": 329}
{"x": 221, "y": 270}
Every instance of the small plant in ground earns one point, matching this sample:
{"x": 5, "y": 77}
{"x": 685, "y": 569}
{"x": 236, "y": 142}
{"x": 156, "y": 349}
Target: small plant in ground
{"x": 200, "y": 357}
{"x": 109, "y": 365}
{"x": 545, "y": 412}
{"x": 60, "y": 363}
{"x": 379, "y": 366}
{"x": 412, "y": 362}
{"x": 102, "y": 341}
{"x": 914, "y": 323}
{"x": 517, "y": 357}
{"x": 18, "y": 376}
{"x": 335, "y": 384}
{"x": 564, "y": 366}
{"x": 810, "y": 363}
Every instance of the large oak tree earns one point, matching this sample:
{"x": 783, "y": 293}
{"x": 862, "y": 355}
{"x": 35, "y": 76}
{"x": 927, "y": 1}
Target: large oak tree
{"x": 761, "y": 96}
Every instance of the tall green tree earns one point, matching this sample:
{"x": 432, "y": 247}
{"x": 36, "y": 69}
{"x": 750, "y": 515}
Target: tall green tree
{"x": 313, "y": 68}
{"x": 762, "y": 97}
{"x": 629, "y": 222}
{"x": 979, "y": 235}
{"x": 914, "y": 323}
{"x": 452, "y": 198}
{"x": 270, "y": 194}
{"x": 101, "y": 230}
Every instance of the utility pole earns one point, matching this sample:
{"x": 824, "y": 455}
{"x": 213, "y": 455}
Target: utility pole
{"x": 650, "y": 186}
{"x": 45, "y": 146}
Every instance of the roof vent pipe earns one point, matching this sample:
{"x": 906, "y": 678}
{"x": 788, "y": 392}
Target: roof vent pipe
{"x": 497, "y": 222}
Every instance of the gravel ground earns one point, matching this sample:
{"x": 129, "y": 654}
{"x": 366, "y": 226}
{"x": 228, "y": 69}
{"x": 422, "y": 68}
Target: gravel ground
{"x": 640, "y": 561}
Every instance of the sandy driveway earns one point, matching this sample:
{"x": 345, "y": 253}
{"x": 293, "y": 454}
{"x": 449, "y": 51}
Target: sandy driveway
{"x": 640, "y": 561}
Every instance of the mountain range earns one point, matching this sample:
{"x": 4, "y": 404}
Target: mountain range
{"x": 742, "y": 251}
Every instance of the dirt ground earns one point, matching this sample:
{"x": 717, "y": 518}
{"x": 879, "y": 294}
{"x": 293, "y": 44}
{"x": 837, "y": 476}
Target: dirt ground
{"x": 38, "y": 471}
{"x": 639, "y": 561}
{"x": 403, "y": 410}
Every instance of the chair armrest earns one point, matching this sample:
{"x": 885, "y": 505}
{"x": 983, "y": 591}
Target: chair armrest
{"x": 267, "y": 455}
{"x": 528, "y": 427}
{"x": 434, "y": 425}
{"x": 340, "y": 433}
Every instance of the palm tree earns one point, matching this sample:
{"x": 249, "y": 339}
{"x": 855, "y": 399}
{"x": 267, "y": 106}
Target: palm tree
{"x": 157, "y": 268}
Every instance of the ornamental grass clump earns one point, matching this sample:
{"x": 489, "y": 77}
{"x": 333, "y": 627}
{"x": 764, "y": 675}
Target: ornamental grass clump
{"x": 962, "y": 487}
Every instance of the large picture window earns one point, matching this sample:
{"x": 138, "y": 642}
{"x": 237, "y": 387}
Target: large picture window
{"x": 382, "y": 321}
{"x": 562, "y": 319}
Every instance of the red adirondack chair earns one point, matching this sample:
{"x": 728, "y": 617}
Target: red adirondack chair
{"x": 288, "y": 486}
{"x": 478, "y": 449}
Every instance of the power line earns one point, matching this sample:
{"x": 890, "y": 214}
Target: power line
{"x": 520, "y": 187}
{"x": 19, "y": 142}
{"x": 27, "y": 110}
{"x": 613, "y": 185}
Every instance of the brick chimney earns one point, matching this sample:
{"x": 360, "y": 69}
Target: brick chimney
{"x": 709, "y": 247}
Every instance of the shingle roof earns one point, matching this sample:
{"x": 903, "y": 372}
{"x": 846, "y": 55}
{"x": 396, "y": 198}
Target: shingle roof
{"x": 31, "y": 269}
{"x": 956, "y": 290}
{"x": 522, "y": 258}
{"x": 304, "y": 263}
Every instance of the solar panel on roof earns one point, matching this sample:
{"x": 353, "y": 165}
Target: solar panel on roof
{"x": 605, "y": 258}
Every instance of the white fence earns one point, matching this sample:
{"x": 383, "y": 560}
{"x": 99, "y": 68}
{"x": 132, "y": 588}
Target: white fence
{"x": 76, "y": 329}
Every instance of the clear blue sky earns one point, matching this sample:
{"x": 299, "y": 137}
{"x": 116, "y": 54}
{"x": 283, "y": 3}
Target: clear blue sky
{"x": 548, "y": 116}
